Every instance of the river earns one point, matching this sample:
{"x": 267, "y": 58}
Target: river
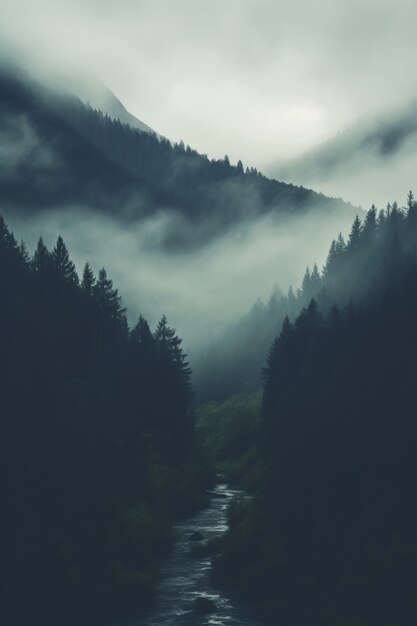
{"x": 185, "y": 578}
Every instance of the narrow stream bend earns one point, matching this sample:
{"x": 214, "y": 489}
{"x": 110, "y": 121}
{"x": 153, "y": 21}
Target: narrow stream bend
{"x": 186, "y": 578}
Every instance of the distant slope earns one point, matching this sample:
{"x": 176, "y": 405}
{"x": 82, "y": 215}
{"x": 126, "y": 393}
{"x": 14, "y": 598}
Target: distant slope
{"x": 66, "y": 152}
{"x": 45, "y": 162}
{"x": 375, "y": 154}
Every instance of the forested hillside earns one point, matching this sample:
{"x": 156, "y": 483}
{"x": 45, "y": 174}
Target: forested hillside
{"x": 98, "y": 451}
{"x": 242, "y": 347}
{"x": 330, "y": 535}
{"x": 63, "y": 153}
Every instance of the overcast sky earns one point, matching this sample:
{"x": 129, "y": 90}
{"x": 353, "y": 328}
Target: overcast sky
{"x": 256, "y": 79}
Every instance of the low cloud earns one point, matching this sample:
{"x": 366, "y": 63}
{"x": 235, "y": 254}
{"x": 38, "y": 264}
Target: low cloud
{"x": 203, "y": 290}
{"x": 374, "y": 162}
{"x": 257, "y": 80}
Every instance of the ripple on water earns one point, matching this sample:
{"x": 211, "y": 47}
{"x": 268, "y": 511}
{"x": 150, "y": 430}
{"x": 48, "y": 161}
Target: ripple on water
{"x": 185, "y": 578}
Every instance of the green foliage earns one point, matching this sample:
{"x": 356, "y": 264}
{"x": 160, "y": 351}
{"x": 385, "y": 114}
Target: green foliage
{"x": 230, "y": 432}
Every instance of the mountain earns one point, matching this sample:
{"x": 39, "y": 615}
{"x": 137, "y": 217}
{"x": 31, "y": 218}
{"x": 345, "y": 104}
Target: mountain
{"x": 59, "y": 152}
{"x": 97, "y": 95}
{"x": 46, "y": 162}
{"x": 377, "y": 153}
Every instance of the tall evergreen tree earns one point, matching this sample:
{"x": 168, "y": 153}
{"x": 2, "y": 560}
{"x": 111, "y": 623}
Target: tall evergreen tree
{"x": 41, "y": 261}
{"x": 63, "y": 264}
{"x": 88, "y": 281}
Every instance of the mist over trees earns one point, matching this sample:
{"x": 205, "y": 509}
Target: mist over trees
{"x": 370, "y": 161}
{"x": 231, "y": 362}
{"x": 67, "y": 153}
{"x": 330, "y": 535}
{"x": 242, "y": 347}
{"x": 98, "y": 450}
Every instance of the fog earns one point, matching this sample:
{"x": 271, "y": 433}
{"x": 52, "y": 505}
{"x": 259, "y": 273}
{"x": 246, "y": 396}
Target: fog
{"x": 201, "y": 291}
{"x": 371, "y": 180}
{"x": 375, "y": 161}
{"x": 258, "y": 80}
{"x": 203, "y": 269}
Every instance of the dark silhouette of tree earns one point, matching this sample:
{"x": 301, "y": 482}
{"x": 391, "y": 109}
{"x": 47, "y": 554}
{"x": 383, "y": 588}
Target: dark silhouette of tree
{"x": 62, "y": 263}
{"x": 330, "y": 534}
{"x": 98, "y": 455}
{"x": 355, "y": 234}
{"x": 42, "y": 257}
{"x": 88, "y": 281}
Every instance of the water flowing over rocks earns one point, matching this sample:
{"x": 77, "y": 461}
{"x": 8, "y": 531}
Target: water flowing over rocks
{"x": 187, "y": 595}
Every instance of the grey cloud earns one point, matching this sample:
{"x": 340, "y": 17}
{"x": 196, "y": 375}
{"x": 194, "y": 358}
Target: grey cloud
{"x": 258, "y": 80}
{"x": 203, "y": 290}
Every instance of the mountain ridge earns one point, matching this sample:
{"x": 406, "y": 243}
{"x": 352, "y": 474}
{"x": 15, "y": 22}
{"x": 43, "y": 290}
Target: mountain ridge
{"x": 99, "y": 161}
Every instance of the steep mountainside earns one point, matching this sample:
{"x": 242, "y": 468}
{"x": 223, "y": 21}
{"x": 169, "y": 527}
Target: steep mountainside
{"x": 56, "y": 151}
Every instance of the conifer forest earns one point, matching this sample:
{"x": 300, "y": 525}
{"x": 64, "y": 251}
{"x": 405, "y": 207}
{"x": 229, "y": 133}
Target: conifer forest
{"x": 208, "y": 319}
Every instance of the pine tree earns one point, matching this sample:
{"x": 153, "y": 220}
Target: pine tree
{"x": 410, "y": 200}
{"x": 63, "y": 264}
{"x": 88, "y": 281}
{"x": 340, "y": 245}
{"x": 305, "y": 291}
{"x": 7, "y": 240}
{"x": 315, "y": 281}
{"x": 169, "y": 347}
{"x": 41, "y": 261}
{"x": 291, "y": 302}
{"x": 108, "y": 297}
{"x": 330, "y": 261}
{"x": 174, "y": 392}
{"x": 141, "y": 336}
{"x": 24, "y": 253}
{"x": 370, "y": 225}
{"x": 355, "y": 234}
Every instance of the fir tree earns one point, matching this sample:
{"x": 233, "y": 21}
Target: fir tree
{"x": 41, "y": 261}
{"x": 88, "y": 281}
{"x": 62, "y": 263}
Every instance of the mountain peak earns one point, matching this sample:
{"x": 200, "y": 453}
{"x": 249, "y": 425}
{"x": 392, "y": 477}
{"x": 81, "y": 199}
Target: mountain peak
{"x": 94, "y": 92}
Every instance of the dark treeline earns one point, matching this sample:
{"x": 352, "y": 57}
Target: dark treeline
{"x": 98, "y": 451}
{"x": 330, "y": 536}
{"x": 49, "y": 163}
{"x": 242, "y": 347}
{"x": 112, "y": 166}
